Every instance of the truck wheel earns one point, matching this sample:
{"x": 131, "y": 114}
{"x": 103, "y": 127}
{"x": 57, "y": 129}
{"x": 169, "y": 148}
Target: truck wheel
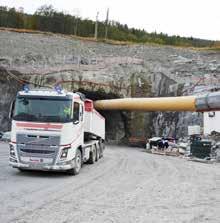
{"x": 77, "y": 163}
{"x": 97, "y": 153}
{"x": 102, "y": 147}
{"x": 92, "y": 156}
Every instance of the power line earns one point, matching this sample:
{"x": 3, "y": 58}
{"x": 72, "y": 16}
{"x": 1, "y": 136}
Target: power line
{"x": 96, "y": 26}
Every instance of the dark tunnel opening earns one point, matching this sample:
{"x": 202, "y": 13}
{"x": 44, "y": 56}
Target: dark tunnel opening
{"x": 115, "y": 121}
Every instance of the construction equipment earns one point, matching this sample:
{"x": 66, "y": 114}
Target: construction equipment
{"x": 200, "y": 148}
{"x": 54, "y": 130}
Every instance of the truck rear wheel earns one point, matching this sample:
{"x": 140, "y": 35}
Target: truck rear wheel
{"x": 92, "y": 156}
{"x": 102, "y": 147}
{"x": 97, "y": 152}
{"x": 77, "y": 164}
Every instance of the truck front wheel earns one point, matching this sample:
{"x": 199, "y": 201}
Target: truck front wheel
{"x": 77, "y": 163}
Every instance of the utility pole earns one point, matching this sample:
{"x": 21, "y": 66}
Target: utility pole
{"x": 96, "y": 27}
{"x": 76, "y": 26}
{"x": 76, "y": 14}
{"x": 106, "y": 24}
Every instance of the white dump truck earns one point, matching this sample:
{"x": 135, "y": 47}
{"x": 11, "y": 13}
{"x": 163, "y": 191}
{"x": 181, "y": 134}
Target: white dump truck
{"x": 54, "y": 130}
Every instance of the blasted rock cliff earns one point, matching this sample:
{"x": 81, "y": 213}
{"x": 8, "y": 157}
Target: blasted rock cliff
{"x": 109, "y": 71}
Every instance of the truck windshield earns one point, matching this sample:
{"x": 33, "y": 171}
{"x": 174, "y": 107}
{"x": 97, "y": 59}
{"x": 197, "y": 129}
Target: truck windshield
{"x": 43, "y": 109}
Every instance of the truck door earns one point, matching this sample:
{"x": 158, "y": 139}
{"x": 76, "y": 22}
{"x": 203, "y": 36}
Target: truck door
{"x": 78, "y": 113}
{"x": 78, "y": 123}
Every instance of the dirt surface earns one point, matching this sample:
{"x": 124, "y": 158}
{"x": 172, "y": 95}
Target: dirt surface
{"x": 127, "y": 185}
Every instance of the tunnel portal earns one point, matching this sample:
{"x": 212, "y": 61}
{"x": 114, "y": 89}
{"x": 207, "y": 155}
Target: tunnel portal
{"x": 116, "y": 121}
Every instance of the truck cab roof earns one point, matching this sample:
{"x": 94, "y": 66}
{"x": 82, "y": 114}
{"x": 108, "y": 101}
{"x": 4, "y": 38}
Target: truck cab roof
{"x": 47, "y": 92}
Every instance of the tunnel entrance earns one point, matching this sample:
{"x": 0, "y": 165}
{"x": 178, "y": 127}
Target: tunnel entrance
{"x": 8, "y": 90}
{"x": 115, "y": 121}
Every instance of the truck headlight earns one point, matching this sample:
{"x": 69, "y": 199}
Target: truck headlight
{"x": 64, "y": 152}
{"x": 12, "y": 150}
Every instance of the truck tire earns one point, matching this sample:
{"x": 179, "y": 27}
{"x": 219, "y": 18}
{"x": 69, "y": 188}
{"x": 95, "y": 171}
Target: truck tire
{"x": 102, "y": 147}
{"x": 92, "y": 156}
{"x": 77, "y": 164}
{"x": 97, "y": 152}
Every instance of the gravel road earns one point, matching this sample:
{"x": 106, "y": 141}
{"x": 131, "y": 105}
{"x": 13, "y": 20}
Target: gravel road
{"x": 127, "y": 185}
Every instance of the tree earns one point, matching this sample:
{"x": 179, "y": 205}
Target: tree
{"x": 46, "y": 18}
{"x": 45, "y": 10}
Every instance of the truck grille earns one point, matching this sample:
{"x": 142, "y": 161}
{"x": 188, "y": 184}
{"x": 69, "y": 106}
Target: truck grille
{"x": 40, "y": 146}
{"x": 37, "y": 151}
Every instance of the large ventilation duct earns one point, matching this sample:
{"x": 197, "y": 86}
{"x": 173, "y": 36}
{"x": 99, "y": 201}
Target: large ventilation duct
{"x": 206, "y": 102}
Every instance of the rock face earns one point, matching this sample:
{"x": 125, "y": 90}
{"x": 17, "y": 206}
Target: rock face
{"x": 110, "y": 71}
{"x": 8, "y": 90}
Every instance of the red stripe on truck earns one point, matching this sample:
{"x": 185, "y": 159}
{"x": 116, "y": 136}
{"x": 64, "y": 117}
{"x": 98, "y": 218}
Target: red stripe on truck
{"x": 38, "y": 125}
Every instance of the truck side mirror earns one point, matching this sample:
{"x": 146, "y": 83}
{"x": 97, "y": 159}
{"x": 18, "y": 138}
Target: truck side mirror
{"x": 76, "y": 111}
{"x": 11, "y": 111}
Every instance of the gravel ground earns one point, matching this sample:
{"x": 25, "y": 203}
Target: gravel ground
{"x": 127, "y": 185}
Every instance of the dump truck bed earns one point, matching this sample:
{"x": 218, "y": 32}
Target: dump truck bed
{"x": 94, "y": 122}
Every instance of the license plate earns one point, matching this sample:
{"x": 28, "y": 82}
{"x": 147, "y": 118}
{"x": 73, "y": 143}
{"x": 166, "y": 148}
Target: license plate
{"x": 36, "y": 160}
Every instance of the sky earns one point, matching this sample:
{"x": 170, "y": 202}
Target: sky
{"x": 197, "y": 18}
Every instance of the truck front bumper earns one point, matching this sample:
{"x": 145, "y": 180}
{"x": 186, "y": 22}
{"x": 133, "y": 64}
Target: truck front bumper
{"x": 44, "y": 167}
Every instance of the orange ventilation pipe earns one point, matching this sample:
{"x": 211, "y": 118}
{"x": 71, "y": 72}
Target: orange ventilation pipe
{"x": 206, "y": 102}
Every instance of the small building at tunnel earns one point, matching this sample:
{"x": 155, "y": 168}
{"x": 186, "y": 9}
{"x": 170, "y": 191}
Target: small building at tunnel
{"x": 211, "y": 122}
